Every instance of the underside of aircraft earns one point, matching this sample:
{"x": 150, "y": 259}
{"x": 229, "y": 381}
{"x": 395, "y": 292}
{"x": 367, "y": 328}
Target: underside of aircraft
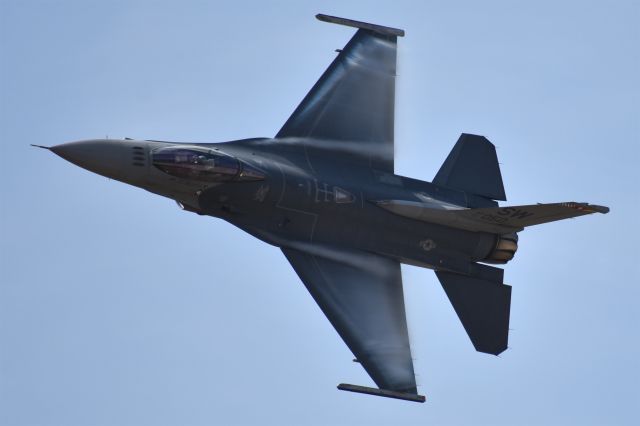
{"x": 324, "y": 190}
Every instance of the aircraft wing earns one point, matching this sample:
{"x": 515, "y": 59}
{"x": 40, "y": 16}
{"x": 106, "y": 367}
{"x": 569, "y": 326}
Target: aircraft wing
{"x": 362, "y": 297}
{"x": 351, "y": 107}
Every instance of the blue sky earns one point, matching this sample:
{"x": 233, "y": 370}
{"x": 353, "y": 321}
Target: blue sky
{"x": 117, "y": 308}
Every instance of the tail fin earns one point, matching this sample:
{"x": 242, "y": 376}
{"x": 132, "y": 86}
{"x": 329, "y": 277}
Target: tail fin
{"x": 472, "y": 166}
{"x": 483, "y": 308}
{"x": 494, "y": 220}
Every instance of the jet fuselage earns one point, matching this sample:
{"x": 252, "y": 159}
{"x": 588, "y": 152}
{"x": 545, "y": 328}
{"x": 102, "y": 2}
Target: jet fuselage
{"x": 324, "y": 190}
{"x": 278, "y": 196}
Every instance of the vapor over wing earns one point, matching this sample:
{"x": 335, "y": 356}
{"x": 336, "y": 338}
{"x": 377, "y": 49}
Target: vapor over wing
{"x": 362, "y": 297}
{"x": 353, "y": 102}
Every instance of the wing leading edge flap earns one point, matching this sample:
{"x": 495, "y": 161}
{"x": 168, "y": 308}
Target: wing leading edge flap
{"x": 350, "y": 110}
{"x": 362, "y": 297}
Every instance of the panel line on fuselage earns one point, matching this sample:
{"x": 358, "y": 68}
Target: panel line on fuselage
{"x": 280, "y": 206}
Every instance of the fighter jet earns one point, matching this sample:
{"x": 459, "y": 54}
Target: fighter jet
{"x": 324, "y": 191}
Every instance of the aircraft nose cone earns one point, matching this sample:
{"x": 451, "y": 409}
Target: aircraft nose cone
{"x": 102, "y": 156}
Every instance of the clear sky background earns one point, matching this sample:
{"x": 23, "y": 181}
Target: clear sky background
{"x": 117, "y": 308}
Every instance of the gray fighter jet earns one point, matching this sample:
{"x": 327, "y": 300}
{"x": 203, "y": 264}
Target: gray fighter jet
{"x": 324, "y": 191}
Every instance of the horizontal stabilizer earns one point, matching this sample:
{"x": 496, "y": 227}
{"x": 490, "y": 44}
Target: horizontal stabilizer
{"x": 496, "y": 220}
{"x": 483, "y": 308}
{"x": 472, "y": 166}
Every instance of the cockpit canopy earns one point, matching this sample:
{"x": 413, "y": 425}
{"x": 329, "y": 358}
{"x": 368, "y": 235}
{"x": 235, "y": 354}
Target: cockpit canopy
{"x": 203, "y": 165}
